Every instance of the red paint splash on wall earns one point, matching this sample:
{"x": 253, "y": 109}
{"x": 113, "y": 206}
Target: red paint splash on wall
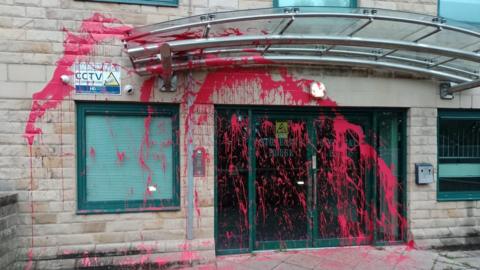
{"x": 92, "y": 31}
{"x": 344, "y": 153}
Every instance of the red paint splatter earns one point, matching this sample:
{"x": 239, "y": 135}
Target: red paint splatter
{"x": 120, "y": 156}
{"x": 92, "y": 152}
{"x": 145, "y": 152}
{"x": 147, "y": 89}
{"x": 411, "y": 245}
{"x": 188, "y": 255}
{"x": 93, "y": 31}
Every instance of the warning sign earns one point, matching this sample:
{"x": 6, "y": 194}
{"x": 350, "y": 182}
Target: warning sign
{"x": 281, "y": 129}
{"x": 97, "y": 78}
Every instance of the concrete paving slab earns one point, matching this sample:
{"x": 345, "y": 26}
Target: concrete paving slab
{"x": 349, "y": 258}
{"x": 262, "y": 264}
{"x": 287, "y": 266}
{"x": 327, "y": 264}
{"x": 304, "y": 260}
{"x": 447, "y": 266}
{"x": 473, "y": 262}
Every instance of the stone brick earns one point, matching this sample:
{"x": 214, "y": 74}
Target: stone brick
{"x": 51, "y": 36}
{"x": 27, "y": 73}
{"x": 233, "y": 4}
{"x": 45, "y": 218}
{"x": 111, "y": 237}
{"x": 36, "y": 12}
{"x": 93, "y": 227}
{"x": 15, "y": 11}
{"x": 12, "y": 34}
{"x": 3, "y": 72}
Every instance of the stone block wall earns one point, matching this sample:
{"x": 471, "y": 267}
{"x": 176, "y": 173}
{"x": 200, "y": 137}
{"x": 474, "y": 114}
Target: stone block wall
{"x": 8, "y": 224}
{"x": 435, "y": 223}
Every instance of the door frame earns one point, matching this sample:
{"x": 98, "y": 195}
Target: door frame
{"x": 308, "y": 113}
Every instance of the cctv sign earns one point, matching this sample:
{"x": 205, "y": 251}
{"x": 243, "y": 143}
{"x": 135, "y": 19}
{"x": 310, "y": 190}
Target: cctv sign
{"x": 97, "y": 78}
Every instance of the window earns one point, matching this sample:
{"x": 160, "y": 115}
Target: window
{"x": 317, "y": 3}
{"x": 127, "y": 157}
{"x": 167, "y": 3}
{"x": 460, "y": 10}
{"x": 459, "y": 155}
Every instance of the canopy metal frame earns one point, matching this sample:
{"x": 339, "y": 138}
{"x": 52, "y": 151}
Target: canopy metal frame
{"x": 160, "y": 49}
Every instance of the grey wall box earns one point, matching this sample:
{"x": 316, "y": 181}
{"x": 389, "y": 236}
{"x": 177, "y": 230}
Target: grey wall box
{"x": 423, "y": 173}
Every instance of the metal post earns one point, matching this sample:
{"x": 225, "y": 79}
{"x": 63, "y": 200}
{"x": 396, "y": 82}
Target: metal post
{"x": 189, "y": 143}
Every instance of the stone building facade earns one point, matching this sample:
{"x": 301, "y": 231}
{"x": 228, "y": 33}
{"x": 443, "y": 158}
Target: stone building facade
{"x": 49, "y": 231}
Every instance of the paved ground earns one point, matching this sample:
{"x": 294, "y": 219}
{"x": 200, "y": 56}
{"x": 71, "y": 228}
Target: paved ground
{"x": 358, "y": 258}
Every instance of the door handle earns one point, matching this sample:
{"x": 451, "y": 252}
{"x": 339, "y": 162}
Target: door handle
{"x": 314, "y": 182}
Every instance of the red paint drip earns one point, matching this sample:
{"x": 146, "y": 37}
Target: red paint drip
{"x": 120, "y": 156}
{"x": 93, "y": 31}
{"x": 147, "y": 89}
{"x": 187, "y": 254}
{"x": 92, "y": 152}
{"x": 145, "y": 152}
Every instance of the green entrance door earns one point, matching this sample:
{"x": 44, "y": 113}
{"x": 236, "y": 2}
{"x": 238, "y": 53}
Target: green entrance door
{"x": 302, "y": 179}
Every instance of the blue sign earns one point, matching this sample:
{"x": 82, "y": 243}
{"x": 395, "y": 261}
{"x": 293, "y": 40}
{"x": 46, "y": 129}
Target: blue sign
{"x": 97, "y": 78}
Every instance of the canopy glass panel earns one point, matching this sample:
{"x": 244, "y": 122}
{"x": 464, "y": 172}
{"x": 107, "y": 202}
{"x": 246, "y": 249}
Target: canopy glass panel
{"x": 373, "y": 38}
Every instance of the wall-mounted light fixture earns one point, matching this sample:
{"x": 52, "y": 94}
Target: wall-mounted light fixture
{"x": 318, "y": 90}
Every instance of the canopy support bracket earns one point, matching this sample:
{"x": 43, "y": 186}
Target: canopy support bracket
{"x": 166, "y": 58}
{"x": 447, "y": 90}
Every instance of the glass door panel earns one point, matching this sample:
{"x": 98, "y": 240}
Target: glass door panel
{"x": 232, "y": 159}
{"x": 391, "y": 223}
{"x": 281, "y": 180}
{"x": 341, "y": 177}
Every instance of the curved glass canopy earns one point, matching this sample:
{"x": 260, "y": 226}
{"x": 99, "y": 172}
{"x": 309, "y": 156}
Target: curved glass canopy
{"x": 373, "y": 38}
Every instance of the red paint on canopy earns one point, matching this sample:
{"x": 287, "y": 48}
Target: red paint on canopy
{"x": 92, "y": 31}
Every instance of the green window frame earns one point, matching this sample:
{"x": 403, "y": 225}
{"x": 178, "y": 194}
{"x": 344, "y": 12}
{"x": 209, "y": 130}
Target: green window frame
{"x": 458, "y": 141}
{"x": 163, "y": 3}
{"x": 115, "y": 145}
{"x": 316, "y": 3}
